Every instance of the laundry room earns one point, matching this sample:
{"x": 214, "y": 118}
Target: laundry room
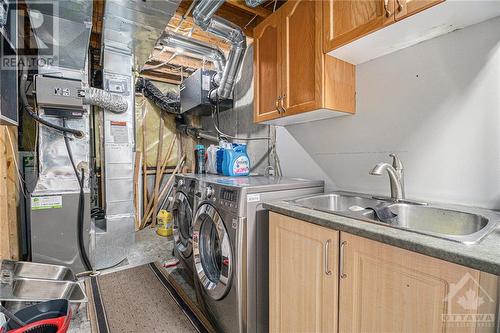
{"x": 248, "y": 166}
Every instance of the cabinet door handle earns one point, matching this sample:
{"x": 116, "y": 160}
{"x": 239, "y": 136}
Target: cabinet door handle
{"x": 386, "y": 8}
{"x": 278, "y": 104}
{"x": 283, "y": 109}
{"x": 342, "y": 250}
{"x": 400, "y": 6}
{"x": 327, "y": 257}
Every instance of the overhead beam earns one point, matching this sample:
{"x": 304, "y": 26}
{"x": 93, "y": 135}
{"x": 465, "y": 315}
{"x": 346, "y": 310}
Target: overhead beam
{"x": 259, "y": 11}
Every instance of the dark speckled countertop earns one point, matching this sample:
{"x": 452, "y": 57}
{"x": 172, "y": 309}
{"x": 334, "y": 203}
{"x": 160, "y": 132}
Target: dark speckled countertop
{"x": 484, "y": 256}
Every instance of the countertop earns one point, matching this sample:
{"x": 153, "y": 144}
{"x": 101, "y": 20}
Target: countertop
{"x": 484, "y": 256}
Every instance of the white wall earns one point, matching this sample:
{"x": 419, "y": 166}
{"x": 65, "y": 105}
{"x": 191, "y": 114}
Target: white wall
{"x": 435, "y": 104}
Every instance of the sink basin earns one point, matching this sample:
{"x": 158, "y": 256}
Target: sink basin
{"x": 42, "y": 289}
{"x": 335, "y": 202}
{"x": 437, "y": 220}
{"x": 23, "y": 269}
{"x": 463, "y": 224}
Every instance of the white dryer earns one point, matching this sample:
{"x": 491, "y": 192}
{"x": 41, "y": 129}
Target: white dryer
{"x": 230, "y": 246}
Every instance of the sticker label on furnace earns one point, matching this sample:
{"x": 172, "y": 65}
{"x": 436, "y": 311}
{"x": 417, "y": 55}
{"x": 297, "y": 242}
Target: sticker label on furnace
{"x": 47, "y": 202}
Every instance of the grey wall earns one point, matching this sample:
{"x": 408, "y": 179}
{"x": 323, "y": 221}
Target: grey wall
{"x": 436, "y": 104}
{"x": 239, "y": 121}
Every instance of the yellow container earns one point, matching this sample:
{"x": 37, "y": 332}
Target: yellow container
{"x": 165, "y": 223}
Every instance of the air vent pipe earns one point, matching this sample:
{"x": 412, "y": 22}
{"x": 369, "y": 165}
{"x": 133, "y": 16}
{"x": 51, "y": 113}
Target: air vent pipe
{"x": 197, "y": 47}
{"x": 204, "y": 17}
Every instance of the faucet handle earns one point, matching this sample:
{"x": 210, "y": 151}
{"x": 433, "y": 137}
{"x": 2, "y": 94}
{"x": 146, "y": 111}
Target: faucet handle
{"x": 396, "y": 162}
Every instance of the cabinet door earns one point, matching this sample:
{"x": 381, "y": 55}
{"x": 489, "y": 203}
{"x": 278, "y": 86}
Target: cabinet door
{"x": 267, "y": 68}
{"x": 348, "y": 20}
{"x": 405, "y": 8}
{"x": 302, "y": 56}
{"x": 303, "y": 280}
{"x": 388, "y": 289}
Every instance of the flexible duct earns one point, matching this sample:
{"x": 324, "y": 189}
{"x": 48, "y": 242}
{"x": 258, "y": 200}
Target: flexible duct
{"x": 106, "y": 100}
{"x": 204, "y": 17}
{"x": 197, "y": 47}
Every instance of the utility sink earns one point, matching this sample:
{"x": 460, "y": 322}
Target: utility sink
{"x": 25, "y": 283}
{"x": 461, "y": 224}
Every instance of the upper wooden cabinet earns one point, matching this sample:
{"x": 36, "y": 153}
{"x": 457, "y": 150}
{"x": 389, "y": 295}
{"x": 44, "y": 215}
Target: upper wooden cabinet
{"x": 405, "y": 8}
{"x": 348, "y": 20}
{"x": 267, "y": 73}
{"x": 292, "y": 74}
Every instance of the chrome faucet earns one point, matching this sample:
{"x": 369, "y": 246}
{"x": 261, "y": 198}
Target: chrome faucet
{"x": 396, "y": 176}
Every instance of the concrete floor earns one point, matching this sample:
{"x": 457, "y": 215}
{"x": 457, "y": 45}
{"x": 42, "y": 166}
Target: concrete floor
{"x": 148, "y": 247}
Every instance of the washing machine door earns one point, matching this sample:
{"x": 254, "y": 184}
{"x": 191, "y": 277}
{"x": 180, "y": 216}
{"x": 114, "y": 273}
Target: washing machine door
{"x": 213, "y": 257}
{"x": 183, "y": 219}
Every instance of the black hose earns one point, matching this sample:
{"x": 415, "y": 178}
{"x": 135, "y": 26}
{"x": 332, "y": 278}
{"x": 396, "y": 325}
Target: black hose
{"x": 76, "y": 133}
{"x": 81, "y": 204}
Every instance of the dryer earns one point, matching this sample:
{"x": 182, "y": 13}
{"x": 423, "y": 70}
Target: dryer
{"x": 230, "y": 246}
{"x": 183, "y": 210}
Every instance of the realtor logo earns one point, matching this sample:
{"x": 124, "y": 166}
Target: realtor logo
{"x": 32, "y": 34}
{"x": 469, "y": 304}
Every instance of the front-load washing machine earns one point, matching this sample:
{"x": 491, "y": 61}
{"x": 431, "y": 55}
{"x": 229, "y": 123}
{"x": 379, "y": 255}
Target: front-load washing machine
{"x": 183, "y": 212}
{"x": 230, "y": 246}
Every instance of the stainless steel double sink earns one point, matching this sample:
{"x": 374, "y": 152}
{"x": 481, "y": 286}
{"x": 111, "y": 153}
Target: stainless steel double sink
{"x": 461, "y": 224}
{"x": 24, "y": 283}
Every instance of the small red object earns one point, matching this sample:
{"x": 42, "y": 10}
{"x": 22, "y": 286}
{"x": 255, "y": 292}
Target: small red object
{"x": 171, "y": 263}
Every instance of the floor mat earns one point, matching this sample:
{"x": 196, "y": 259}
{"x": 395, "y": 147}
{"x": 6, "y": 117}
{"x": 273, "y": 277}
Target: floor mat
{"x": 142, "y": 299}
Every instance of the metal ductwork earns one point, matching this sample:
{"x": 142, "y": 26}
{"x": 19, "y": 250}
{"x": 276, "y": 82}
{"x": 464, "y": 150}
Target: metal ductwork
{"x": 204, "y": 17}
{"x": 254, "y": 3}
{"x": 62, "y": 31}
{"x": 196, "y": 47}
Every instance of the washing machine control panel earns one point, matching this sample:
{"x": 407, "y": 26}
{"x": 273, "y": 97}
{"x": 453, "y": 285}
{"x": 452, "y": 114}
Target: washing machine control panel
{"x": 228, "y": 198}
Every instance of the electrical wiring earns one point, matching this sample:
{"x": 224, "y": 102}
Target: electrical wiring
{"x": 215, "y": 113}
{"x": 21, "y": 180}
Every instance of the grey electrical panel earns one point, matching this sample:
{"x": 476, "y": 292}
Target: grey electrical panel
{"x": 53, "y": 92}
{"x": 59, "y": 97}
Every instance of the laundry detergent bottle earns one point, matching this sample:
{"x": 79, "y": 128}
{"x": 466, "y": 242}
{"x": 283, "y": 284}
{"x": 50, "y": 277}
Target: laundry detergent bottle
{"x": 236, "y": 161}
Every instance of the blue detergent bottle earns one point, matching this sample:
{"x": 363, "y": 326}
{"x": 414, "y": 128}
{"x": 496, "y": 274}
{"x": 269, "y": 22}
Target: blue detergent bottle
{"x": 223, "y": 145}
{"x": 236, "y": 161}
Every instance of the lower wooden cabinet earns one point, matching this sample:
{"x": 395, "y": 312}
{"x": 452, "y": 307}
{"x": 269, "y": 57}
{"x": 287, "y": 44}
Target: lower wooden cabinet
{"x": 303, "y": 276}
{"x": 381, "y": 288}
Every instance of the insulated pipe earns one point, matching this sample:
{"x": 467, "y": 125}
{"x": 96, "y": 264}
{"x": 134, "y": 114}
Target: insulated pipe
{"x": 196, "y": 47}
{"x": 204, "y": 11}
{"x": 204, "y": 17}
{"x": 233, "y": 34}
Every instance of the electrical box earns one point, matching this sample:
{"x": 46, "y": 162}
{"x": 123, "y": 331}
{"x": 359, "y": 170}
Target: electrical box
{"x": 59, "y": 97}
{"x": 194, "y": 94}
